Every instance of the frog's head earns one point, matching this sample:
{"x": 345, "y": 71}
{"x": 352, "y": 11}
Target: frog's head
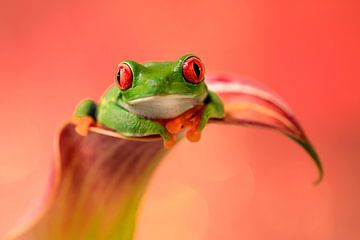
{"x": 161, "y": 89}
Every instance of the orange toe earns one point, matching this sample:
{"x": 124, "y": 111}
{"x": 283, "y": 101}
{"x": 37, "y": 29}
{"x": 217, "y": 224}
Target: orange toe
{"x": 83, "y": 124}
{"x": 82, "y": 130}
{"x": 169, "y": 143}
{"x": 174, "y": 126}
{"x": 193, "y": 135}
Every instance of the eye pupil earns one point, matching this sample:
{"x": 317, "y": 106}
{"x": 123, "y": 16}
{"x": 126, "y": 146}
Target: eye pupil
{"x": 118, "y": 76}
{"x": 196, "y": 70}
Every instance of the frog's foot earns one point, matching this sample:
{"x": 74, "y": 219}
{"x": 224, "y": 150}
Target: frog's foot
{"x": 190, "y": 120}
{"x": 193, "y": 133}
{"x": 175, "y": 125}
{"x": 83, "y": 124}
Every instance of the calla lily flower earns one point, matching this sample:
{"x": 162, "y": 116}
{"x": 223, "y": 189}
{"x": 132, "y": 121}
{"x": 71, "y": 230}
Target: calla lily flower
{"x": 99, "y": 180}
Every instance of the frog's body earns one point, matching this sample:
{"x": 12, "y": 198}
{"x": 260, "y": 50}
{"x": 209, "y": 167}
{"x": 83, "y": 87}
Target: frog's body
{"x": 148, "y": 95}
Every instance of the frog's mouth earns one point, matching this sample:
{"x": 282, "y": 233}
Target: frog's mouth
{"x": 163, "y": 107}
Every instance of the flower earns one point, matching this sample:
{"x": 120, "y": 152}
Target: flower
{"x": 99, "y": 180}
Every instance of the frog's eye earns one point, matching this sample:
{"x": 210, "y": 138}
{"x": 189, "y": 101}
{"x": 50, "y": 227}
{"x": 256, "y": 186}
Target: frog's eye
{"x": 124, "y": 76}
{"x": 193, "y": 70}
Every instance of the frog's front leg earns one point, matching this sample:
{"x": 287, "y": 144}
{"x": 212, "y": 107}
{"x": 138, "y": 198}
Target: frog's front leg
{"x": 84, "y": 116}
{"x": 213, "y": 108}
{"x": 113, "y": 116}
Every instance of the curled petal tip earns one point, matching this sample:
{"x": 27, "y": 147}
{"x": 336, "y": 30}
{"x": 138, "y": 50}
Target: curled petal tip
{"x": 248, "y": 103}
{"x": 305, "y": 143}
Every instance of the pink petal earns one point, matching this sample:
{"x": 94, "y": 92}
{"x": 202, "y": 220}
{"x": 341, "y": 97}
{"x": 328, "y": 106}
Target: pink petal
{"x": 248, "y": 103}
{"x": 99, "y": 182}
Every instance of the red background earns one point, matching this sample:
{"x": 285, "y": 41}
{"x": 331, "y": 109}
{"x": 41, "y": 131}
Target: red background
{"x": 237, "y": 183}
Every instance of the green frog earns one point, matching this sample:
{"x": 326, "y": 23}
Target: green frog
{"x": 154, "y": 98}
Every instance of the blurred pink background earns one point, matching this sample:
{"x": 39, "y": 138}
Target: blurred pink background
{"x": 257, "y": 184}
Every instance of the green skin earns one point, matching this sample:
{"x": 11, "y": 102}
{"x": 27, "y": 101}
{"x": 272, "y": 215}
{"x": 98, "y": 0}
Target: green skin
{"x": 158, "y": 86}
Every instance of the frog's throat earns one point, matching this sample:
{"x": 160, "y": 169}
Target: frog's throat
{"x": 163, "y": 107}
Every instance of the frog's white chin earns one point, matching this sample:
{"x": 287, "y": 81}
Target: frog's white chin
{"x": 163, "y": 107}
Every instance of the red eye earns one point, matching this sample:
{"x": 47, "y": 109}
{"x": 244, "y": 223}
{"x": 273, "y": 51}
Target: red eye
{"x": 193, "y": 70}
{"x": 124, "y": 76}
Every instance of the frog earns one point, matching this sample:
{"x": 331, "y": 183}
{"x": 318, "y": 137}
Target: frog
{"x": 154, "y": 99}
